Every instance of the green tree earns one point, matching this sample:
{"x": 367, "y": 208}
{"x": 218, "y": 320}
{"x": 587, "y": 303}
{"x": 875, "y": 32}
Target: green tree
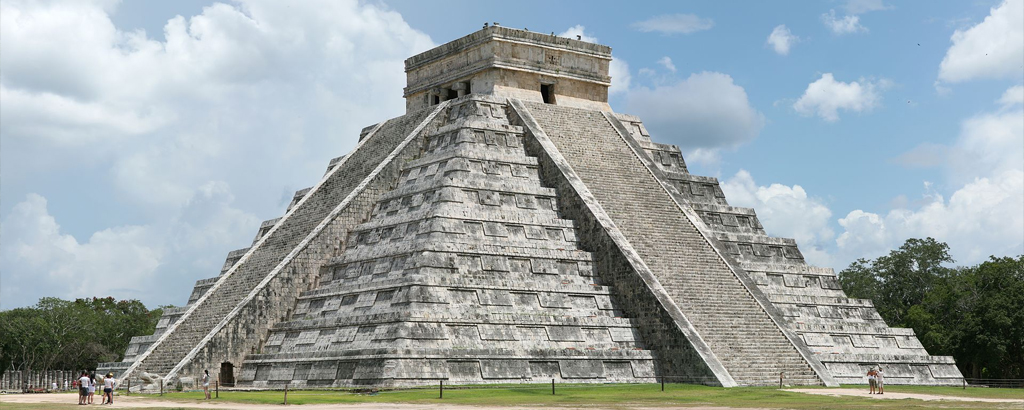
{"x": 991, "y": 330}
{"x": 975, "y": 314}
{"x": 899, "y": 280}
{"x": 61, "y": 334}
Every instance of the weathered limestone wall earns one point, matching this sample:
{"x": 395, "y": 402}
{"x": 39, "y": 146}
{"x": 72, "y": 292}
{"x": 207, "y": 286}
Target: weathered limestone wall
{"x": 723, "y": 309}
{"x": 247, "y": 327}
{"x": 846, "y": 335}
{"x": 188, "y": 336}
{"x": 464, "y": 272}
{"x": 513, "y": 63}
{"x": 675, "y": 353}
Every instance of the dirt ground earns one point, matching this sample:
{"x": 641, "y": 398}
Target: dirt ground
{"x": 144, "y": 402}
{"x": 897, "y": 396}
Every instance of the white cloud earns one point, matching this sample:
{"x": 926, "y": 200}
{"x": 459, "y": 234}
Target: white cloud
{"x": 992, "y": 49}
{"x": 1012, "y": 96}
{"x": 989, "y": 144}
{"x": 577, "y": 32}
{"x": 228, "y": 86}
{"x": 926, "y": 155}
{"x": 674, "y": 24}
{"x": 983, "y": 216}
{"x": 826, "y": 96}
{"x": 618, "y": 69}
{"x": 786, "y": 211}
{"x": 846, "y": 25}
{"x": 667, "y": 63}
{"x": 707, "y": 110}
{"x": 156, "y": 262}
{"x": 40, "y": 260}
{"x": 259, "y": 95}
{"x": 864, "y": 6}
{"x": 708, "y": 158}
{"x": 782, "y": 40}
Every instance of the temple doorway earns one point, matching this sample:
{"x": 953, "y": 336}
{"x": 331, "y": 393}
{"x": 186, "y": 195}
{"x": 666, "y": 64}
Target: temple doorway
{"x": 227, "y": 374}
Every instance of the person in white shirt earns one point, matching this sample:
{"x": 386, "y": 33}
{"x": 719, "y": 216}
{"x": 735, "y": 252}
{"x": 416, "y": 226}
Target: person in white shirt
{"x": 83, "y": 388}
{"x": 880, "y": 380}
{"x": 92, "y": 386}
{"x": 206, "y": 383}
{"x": 108, "y": 389}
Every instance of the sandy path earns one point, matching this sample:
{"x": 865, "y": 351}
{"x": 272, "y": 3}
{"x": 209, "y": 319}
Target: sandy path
{"x": 145, "y": 402}
{"x": 897, "y": 396}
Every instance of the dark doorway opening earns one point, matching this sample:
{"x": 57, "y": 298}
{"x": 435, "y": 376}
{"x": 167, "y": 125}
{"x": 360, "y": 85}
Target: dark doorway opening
{"x": 227, "y": 374}
{"x": 548, "y": 92}
{"x": 437, "y": 100}
{"x": 452, "y": 94}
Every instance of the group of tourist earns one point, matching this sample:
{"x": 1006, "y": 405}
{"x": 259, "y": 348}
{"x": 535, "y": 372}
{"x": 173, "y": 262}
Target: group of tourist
{"x": 87, "y": 388}
{"x": 875, "y": 380}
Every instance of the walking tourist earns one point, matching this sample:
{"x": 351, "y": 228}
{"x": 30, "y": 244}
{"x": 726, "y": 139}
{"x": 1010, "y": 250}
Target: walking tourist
{"x": 83, "y": 388}
{"x": 871, "y": 380}
{"x": 880, "y": 380}
{"x": 108, "y": 389}
{"x": 206, "y": 383}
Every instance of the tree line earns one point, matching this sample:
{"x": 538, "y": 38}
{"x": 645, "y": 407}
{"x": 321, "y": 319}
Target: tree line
{"x": 973, "y": 313}
{"x": 71, "y": 335}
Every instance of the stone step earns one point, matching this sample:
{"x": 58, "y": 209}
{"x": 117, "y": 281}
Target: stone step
{"x": 684, "y": 262}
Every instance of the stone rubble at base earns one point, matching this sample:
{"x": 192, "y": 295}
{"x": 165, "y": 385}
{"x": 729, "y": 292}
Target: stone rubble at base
{"x": 512, "y": 228}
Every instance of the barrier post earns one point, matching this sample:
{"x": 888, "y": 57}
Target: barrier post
{"x": 216, "y": 388}
{"x": 128, "y": 391}
{"x": 965, "y": 383}
{"x": 552, "y": 387}
{"x": 440, "y": 389}
{"x": 161, "y": 387}
{"x": 662, "y": 383}
{"x": 286, "y": 394}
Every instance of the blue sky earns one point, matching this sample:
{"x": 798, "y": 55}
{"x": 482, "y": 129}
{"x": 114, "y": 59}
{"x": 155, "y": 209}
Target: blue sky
{"x": 142, "y": 141}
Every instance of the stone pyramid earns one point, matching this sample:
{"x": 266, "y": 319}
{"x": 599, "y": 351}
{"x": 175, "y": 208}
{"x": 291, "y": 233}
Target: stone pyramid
{"x": 512, "y": 228}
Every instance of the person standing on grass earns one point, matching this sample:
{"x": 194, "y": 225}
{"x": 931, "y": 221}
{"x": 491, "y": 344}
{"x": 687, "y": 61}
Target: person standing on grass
{"x": 871, "y": 380}
{"x": 83, "y": 388}
{"x": 880, "y": 380}
{"x": 206, "y": 383}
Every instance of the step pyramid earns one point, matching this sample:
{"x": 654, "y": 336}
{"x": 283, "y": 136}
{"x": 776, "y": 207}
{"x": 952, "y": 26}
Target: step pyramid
{"x": 512, "y": 228}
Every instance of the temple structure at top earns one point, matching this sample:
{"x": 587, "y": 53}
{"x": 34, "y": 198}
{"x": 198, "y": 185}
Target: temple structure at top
{"x": 510, "y": 63}
{"x": 511, "y": 227}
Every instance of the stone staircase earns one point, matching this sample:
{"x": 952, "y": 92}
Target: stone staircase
{"x": 846, "y": 335}
{"x": 741, "y": 334}
{"x": 464, "y": 271}
{"x": 176, "y": 348}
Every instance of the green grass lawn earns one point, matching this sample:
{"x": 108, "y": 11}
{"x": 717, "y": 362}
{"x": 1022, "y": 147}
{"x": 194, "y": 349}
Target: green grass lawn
{"x": 606, "y": 396}
{"x": 609, "y": 395}
{"x": 981, "y": 392}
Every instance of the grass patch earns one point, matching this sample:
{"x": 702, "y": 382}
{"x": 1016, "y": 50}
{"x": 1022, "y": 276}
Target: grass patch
{"x": 603, "y": 396}
{"x": 616, "y": 396}
{"x": 977, "y": 392}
